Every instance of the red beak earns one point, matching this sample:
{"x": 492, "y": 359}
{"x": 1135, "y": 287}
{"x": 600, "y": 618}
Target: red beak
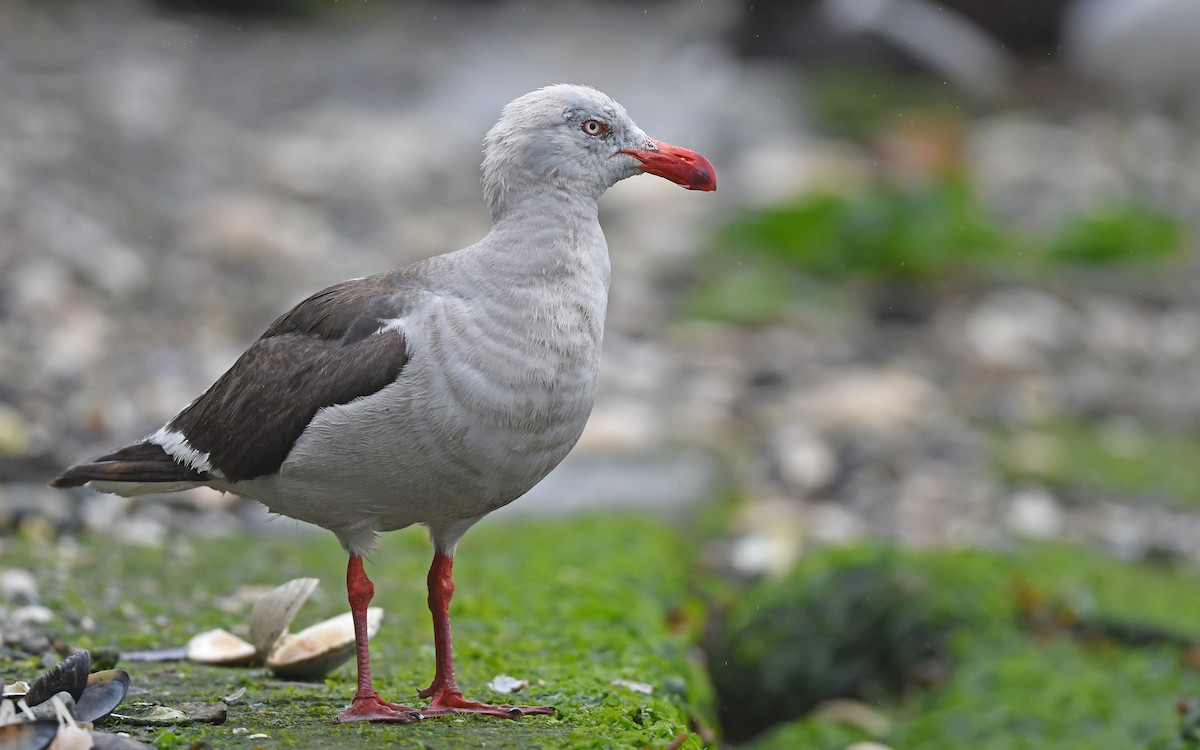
{"x": 676, "y": 164}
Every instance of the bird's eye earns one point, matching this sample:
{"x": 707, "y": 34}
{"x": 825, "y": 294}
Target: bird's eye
{"x": 594, "y": 128}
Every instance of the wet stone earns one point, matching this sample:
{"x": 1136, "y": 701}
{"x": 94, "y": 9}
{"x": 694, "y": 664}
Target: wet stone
{"x": 205, "y": 712}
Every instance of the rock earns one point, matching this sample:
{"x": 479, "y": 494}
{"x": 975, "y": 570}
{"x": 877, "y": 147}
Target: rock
{"x": 830, "y": 523}
{"x": 147, "y": 715}
{"x": 1035, "y": 513}
{"x": 805, "y": 460}
{"x": 1145, "y": 51}
{"x": 32, "y": 614}
{"x": 877, "y": 400}
{"x": 622, "y": 425}
{"x": 1017, "y": 328}
{"x": 205, "y": 712}
{"x": 18, "y": 586}
{"x": 771, "y": 539}
{"x": 47, "y": 710}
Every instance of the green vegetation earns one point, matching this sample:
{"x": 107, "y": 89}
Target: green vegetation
{"x": 853, "y": 631}
{"x": 1037, "y": 646}
{"x": 760, "y": 264}
{"x": 1103, "y": 459}
{"x": 568, "y": 606}
{"x": 858, "y": 102}
{"x": 1027, "y": 672}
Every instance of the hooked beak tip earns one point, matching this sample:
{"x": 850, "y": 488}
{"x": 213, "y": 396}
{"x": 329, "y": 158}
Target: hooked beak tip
{"x": 679, "y": 165}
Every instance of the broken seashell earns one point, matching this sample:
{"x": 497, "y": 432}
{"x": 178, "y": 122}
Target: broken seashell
{"x": 70, "y": 735}
{"x": 29, "y": 735}
{"x": 635, "y": 686}
{"x": 319, "y": 649}
{"x": 502, "y": 683}
{"x": 273, "y": 613}
{"x": 104, "y": 692}
{"x": 219, "y": 647}
{"x": 16, "y": 689}
{"x": 150, "y": 715}
{"x": 71, "y": 675}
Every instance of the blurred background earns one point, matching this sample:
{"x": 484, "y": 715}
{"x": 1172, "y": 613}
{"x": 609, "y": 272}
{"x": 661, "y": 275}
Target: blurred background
{"x": 941, "y": 318}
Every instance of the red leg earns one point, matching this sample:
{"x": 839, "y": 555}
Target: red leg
{"x": 447, "y": 698}
{"x": 367, "y": 705}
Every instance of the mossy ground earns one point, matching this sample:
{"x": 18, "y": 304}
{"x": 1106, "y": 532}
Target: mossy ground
{"x": 572, "y": 605}
{"x": 569, "y": 606}
{"x": 1073, "y": 682}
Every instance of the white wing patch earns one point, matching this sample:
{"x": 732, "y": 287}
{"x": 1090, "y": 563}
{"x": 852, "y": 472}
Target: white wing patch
{"x": 394, "y": 324}
{"x": 178, "y": 448}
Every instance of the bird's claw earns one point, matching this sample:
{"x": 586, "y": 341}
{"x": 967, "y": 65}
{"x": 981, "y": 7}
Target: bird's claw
{"x": 374, "y": 708}
{"x": 452, "y": 702}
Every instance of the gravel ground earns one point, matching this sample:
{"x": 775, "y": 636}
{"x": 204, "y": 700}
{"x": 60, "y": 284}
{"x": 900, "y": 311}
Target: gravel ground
{"x": 168, "y": 185}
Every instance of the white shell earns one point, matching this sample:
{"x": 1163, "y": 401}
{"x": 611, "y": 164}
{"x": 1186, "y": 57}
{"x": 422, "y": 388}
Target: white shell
{"x": 16, "y": 689}
{"x": 502, "y": 683}
{"x": 274, "y": 611}
{"x": 219, "y": 647}
{"x": 319, "y": 649}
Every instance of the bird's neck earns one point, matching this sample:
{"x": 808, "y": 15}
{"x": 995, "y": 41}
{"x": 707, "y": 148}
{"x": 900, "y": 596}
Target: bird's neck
{"x": 549, "y": 237}
{"x": 544, "y": 206}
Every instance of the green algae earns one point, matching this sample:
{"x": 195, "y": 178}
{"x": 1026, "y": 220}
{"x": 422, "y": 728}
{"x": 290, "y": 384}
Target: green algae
{"x": 569, "y": 606}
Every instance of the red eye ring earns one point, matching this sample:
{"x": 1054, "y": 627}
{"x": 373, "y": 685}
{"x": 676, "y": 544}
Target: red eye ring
{"x": 594, "y": 128}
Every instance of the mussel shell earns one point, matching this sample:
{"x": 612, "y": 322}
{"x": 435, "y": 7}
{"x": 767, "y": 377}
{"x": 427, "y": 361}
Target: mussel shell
{"x": 319, "y": 649}
{"x": 28, "y": 735}
{"x": 104, "y": 692}
{"x": 71, "y": 675}
{"x": 220, "y": 648}
{"x": 274, "y": 611}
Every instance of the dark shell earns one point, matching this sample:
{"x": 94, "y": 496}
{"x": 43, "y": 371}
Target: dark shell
{"x": 70, "y": 675}
{"x": 104, "y": 692}
{"x": 28, "y": 735}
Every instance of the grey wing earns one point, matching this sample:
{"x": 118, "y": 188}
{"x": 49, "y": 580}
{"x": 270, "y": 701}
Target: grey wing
{"x": 331, "y": 349}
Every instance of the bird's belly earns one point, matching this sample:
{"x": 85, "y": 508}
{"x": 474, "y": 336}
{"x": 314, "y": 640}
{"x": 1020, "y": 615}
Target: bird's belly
{"x": 424, "y": 451}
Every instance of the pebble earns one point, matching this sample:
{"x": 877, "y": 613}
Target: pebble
{"x": 806, "y": 462}
{"x": 1035, "y": 513}
{"x": 32, "y": 614}
{"x": 205, "y": 712}
{"x": 47, "y": 709}
{"x": 141, "y": 715}
{"x": 18, "y": 586}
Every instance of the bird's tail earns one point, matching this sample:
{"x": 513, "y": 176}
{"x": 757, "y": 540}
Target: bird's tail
{"x": 136, "y": 469}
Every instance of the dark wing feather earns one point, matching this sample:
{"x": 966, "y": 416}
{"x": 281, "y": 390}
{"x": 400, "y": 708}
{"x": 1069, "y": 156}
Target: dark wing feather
{"x": 142, "y": 463}
{"x": 325, "y": 351}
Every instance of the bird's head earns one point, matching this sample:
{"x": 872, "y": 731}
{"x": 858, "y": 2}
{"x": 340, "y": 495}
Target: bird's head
{"x": 579, "y": 139}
